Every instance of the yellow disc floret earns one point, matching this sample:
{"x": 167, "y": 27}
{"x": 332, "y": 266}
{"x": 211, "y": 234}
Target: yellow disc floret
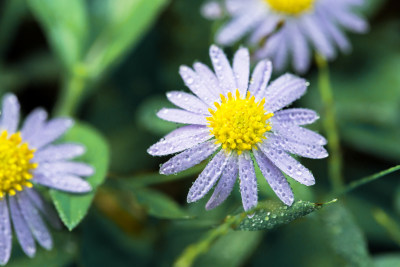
{"x": 291, "y": 7}
{"x": 15, "y": 164}
{"x": 239, "y": 123}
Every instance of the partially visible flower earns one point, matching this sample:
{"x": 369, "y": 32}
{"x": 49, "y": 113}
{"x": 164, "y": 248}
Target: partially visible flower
{"x": 233, "y": 119}
{"x": 280, "y": 29}
{"x": 27, "y": 158}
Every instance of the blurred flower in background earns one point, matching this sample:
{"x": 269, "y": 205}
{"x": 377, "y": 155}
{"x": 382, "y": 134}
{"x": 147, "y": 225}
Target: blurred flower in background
{"x": 244, "y": 119}
{"x": 279, "y": 29}
{"x": 28, "y": 157}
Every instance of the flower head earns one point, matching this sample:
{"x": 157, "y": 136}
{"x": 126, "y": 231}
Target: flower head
{"x": 27, "y": 158}
{"x": 233, "y": 119}
{"x": 280, "y": 29}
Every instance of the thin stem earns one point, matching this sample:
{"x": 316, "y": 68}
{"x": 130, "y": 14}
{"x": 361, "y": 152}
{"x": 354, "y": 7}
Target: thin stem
{"x": 368, "y": 179}
{"x": 329, "y": 123}
{"x": 70, "y": 97}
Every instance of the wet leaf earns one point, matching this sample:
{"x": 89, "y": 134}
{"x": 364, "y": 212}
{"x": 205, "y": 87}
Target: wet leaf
{"x": 72, "y": 208}
{"x": 271, "y": 214}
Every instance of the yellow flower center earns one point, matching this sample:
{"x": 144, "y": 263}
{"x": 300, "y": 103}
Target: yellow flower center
{"x": 15, "y": 166}
{"x": 291, "y": 7}
{"x": 239, "y": 123}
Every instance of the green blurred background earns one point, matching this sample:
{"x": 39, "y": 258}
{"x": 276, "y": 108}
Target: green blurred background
{"x": 115, "y": 59}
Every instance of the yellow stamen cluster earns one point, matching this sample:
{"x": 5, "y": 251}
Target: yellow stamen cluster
{"x": 15, "y": 164}
{"x": 291, "y": 7}
{"x": 239, "y": 123}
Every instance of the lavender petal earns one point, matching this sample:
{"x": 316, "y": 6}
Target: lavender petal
{"x": 181, "y": 116}
{"x": 21, "y": 228}
{"x": 5, "y": 233}
{"x": 188, "y": 102}
{"x": 35, "y": 222}
{"x": 64, "y": 182}
{"x": 45, "y": 208}
{"x": 222, "y": 69}
{"x": 295, "y": 116}
{"x": 288, "y": 164}
{"x": 225, "y": 184}
{"x": 10, "y": 113}
{"x": 64, "y": 167}
{"x": 241, "y": 69}
{"x": 59, "y": 152}
{"x": 260, "y": 78}
{"x": 180, "y": 139}
{"x": 274, "y": 177}
{"x": 299, "y": 134}
{"x": 208, "y": 177}
{"x": 189, "y": 158}
{"x": 33, "y": 123}
{"x": 51, "y": 131}
{"x": 248, "y": 181}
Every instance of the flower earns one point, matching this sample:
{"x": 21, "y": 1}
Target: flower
{"x": 288, "y": 28}
{"x": 27, "y": 158}
{"x": 235, "y": 119}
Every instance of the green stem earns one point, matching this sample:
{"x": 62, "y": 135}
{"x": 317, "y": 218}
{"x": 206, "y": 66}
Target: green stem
{"x": 390, "y": 225}
{"x": 368, "y": 179}
{"x": 329, "y": 123}
{"x": 193, "y": 251}
{"x": 70, "y": 97}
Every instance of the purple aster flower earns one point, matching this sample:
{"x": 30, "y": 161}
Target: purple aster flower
{"x": 290, "y": 27}
{"x": 231, "y": 119}
{"x": 27, "y": 158}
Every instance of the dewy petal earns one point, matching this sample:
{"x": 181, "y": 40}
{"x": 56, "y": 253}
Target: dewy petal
{"x": 65, "y": 167}
{"x": 223, "y": 69}
{"x": 317, "y": 36}
{"x": 288, "y": 164}
{"x": 280, "y": 96}
{"x": 35, "y": 222}
{"x": 295, "y": 116}
{"x": 300, "y": 48}
{"x": 181, "y": 116}
{"x": 299, "y": 134}
{"x": 47, "y": 210}
{"x": 248, "y": 181}
{"x": 189, "y": 158}
{"x": 188, "y": 102}
{"x": 260, "y": 78}
{"x": 5, "y": 233}
{"x": 59, "y": 152}
{"x": 208, "y": 177}
{"x": 195, "y": 83}
{"x": 10, "y": 113}
{"x": 225, "y": 184}
{"x": 209, "y": 79}
{"x": 241, "y": 69}
{"x": 180, "y": 139}
{"x": 33, "y": 123}
{"x": 21, "y": 228}
{"x": 50, "y": 132}
{"x": 274, "y": 177}
{"x": 68, "y": 183}
{"x": 304, "y": 150}
{"x": 239, "y": 26}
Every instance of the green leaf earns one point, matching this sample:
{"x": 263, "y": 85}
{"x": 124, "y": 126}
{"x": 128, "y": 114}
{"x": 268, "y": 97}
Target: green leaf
{"x": 271, "y": 214}
{"x": 72, "y": 208}
{"x": 128, "y": 20}
{"x": 160, "y": 205}
{"x": 388, "y": 260}
{"x": 66, "y": 25}
{"x": 344, "y": 236}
